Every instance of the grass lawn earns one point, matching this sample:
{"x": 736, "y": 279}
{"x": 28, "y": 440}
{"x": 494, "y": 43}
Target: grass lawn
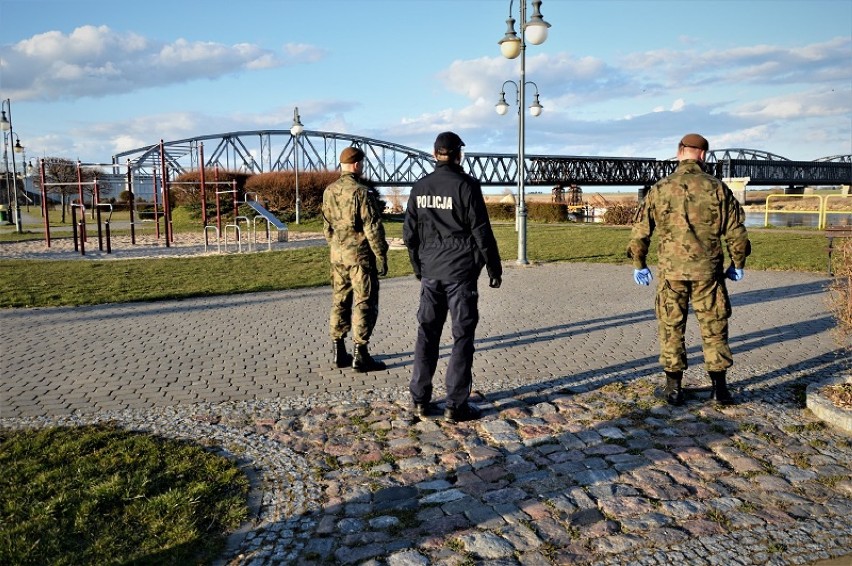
{"x": 40, "y": 283}
{"x": 101, "y": 495}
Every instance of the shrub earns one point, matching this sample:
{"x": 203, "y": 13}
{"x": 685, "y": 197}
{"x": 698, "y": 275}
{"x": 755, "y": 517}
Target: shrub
{"x": 547, "y": 211}
{"x": 277, "y": 190}
{"x": 376, "y": 194}
{"x": 840, "y": 291}
{"x": 620, "y": 214}
{"x": 501, "y": 211}
{"x": 186, "y": 189}
{"x": 191, "y": 213}
{"x": 536, "y": 211}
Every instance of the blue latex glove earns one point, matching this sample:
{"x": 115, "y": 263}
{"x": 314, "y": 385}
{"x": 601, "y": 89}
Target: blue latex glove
{"x": 734, "y": 274}
{"x": 642, "y": 276}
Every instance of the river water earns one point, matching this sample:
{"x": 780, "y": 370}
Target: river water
{"x": 796, "y": 219}
{"x": 756, "y": 219}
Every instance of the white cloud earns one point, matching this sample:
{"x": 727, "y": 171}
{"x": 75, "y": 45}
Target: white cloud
{"x": 124, "y": 142}
{"x": 304, "y": 52}
{"x": 823, "y": 61}
{"x": 800, "y": 105}
{"x": 98, "y": 61}
{"x": 742, "y": 97}
{"x": 754, "y": 137}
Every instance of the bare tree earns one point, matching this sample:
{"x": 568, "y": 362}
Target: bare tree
{"x": 60, "y": 175}
{"x": 10, "y": 185}
{"x": 395, "y": 197}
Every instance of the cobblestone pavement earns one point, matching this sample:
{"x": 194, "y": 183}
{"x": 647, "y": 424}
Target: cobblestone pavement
{"x": 574, "y": 461}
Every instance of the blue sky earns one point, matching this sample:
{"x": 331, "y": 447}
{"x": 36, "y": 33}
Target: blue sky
{"x": 90, "y": 78}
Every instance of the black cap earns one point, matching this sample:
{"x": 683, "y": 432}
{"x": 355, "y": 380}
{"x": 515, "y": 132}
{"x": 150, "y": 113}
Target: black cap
{"x": 448, "y": 142}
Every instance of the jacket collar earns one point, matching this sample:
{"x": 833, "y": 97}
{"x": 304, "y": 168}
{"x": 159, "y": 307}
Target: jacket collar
{"x": 451, "y": 165}
{"x": 690, "y": 166}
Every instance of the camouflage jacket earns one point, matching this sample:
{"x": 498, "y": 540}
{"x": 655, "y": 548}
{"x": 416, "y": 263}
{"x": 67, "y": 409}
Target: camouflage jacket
{"x": 352, "y": 223}
{"x": 691, "y": 212}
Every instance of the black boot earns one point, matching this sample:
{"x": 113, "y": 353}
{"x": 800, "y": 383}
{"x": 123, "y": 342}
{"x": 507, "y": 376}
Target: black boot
{"x": 720, "y": 388}
{"x": 672, "y": 392}
{"x": 364, "y": 362}
{"x": 340, "y": 357}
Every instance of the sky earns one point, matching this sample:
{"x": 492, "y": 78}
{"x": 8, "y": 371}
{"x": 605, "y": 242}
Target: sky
{"x": 86, "y": 79}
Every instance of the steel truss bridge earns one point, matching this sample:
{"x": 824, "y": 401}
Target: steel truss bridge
{"x": 394, "y": 165}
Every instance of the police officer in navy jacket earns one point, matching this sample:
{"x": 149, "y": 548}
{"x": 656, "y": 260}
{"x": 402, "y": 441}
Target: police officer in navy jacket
{"x": 449, "y": 240}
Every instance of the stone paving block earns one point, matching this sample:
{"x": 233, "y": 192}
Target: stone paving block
{"x": 620, "y": 507}
{"x": 644, "y": 523}
{"x": 681, "y": 509}
{"x": 696, "y": 472}
{"x": 485, "y": 517}
{"x": 701, "y": 527}
{"x": 511, "y": 513}
{"x": 591, "y": 477}
{"x": 616, "y": 544}
{"x": 740, "y": 462}
{"x": 609, "y": 490}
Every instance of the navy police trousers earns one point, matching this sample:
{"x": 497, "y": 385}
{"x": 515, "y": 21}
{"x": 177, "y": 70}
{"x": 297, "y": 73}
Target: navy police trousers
{"x": 437, "y": 298}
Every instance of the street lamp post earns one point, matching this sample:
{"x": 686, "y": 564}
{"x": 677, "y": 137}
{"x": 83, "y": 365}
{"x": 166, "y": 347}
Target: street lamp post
{"x": 18, "y": 149}
{"x": 6, "y": 178}
{"x": 28, "y": 173}
{"x": 534, "y": 31}
{"x": 6, "y": 126}
{"x": 296, "y": 129}
{"x": 502, "y": 107}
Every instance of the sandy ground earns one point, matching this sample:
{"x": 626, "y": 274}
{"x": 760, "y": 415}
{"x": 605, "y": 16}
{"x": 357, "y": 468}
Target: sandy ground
{"x": 146, "y": 246}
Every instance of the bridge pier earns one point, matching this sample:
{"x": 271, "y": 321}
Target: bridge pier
{"x": 738, "y": 187}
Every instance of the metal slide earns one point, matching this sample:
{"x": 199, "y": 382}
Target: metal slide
{"x": 263, "y": 214}
{"x": 268, "y": 216}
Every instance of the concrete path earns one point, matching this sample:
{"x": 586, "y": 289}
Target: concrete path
{"x": 575, "y": 461}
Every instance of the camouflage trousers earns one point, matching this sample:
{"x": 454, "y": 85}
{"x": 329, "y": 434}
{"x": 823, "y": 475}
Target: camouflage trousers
{"x": 712, "y": 309}
{"x": 354, "y": 302}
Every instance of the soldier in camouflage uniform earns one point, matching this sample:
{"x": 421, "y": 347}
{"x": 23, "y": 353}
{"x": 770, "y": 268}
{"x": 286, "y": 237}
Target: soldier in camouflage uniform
{"x": 692, "y": 212}
{"x": 352, "y": 225}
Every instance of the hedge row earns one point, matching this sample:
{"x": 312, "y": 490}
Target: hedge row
{"x": 619, "y": 214}
{"x": 276, "y": 190}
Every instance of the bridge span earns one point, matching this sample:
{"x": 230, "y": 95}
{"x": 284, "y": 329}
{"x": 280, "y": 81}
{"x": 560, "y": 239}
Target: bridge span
{"x": 390, "y": 164}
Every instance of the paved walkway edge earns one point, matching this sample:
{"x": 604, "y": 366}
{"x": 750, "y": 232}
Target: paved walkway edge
{"x": 826, "y": 410}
